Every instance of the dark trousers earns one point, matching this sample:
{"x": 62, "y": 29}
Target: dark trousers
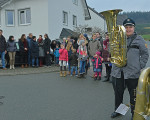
{"x": 108, "y": 71}
{"x": 119, "y": 85}
{"x": 24, "y": 57}
{"x": 47, "y": 60}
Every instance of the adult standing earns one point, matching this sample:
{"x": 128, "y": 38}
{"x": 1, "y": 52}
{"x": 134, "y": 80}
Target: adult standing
{"x": 3, "y": 51}
{"x": 127, "y": 76}
{"x": 99, "y": 38}
{"x": 23, "y": 47}
{"x": 29, "y": 39}
{"x": 11, "y": 48}
{"x": 47, "y": 43}
{"x": 93, "y": 46}
{"x": 41, "y": 50}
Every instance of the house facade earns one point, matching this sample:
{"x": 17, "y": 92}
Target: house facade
{"x": 19, "y": 17}
{"x": 97, "y": 21}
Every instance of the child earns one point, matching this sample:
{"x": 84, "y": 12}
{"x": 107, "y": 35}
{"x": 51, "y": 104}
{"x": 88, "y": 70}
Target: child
{"x": 34, "y": 52}
{"x": 82, "y": 50}
{"x": 56, "y": 53}
{"x": 74, "y": 62}
{"x": 97, "y": 65}
{"x": 63, "y": 60}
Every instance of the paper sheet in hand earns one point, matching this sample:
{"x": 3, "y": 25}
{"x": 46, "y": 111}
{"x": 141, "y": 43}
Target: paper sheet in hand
{"x": 122, "y": 109}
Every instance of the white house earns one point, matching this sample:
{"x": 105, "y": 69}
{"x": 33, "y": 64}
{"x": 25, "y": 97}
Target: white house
{"x": 97, "y": 20}
{"x": 41, "y": 16}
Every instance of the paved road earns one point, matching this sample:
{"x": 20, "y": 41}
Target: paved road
{"x": 46, "y": 96}
{"x": 49, "y": 97}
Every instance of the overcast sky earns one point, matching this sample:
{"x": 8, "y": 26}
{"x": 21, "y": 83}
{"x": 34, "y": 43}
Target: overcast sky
{"x": 125, "y": 5}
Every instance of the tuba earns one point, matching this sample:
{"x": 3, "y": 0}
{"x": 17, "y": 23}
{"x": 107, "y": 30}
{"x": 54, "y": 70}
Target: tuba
{"x": 142, "y": 106}
{"x": 117, "y": 38}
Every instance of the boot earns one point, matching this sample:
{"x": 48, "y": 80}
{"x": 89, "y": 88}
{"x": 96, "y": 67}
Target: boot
{"x": 13, "y": 67}
{"x": 69, "y": 73}
{"x": 65, "y": 73}
{"x": 26, "y": 66}
{"x": 22, "y": 66}
{"x": 10, "y": 67}
{"x": 61, "y": 74}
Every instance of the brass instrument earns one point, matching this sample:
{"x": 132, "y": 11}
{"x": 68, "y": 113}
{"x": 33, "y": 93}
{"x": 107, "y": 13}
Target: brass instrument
{"x": 117, "y": 38}
{"x": 142, "y": 106}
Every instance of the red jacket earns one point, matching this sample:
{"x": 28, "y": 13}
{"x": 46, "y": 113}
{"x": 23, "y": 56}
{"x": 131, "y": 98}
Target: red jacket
{"x": 63, "y": 54}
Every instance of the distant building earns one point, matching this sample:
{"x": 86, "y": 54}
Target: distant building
{"x": 42, "y": 16}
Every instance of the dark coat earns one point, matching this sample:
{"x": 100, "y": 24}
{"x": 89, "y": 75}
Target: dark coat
{"x": 47, "y": 44}
{"x": 34, "y": 49}
{"x": 41, "y": 48}
{"x": 73, "y": 60}
{"x": 3, "y": 44}
{"x": 99, "y": 64}
{"x": 21, "y": 46}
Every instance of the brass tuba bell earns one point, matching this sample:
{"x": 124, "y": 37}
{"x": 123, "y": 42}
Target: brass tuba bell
{"x": 117, "y": 38}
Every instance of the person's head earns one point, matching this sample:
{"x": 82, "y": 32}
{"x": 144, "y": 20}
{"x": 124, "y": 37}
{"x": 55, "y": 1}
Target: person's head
{"x": 64, "y": 39}
{"x": 57, "y": 46}
{"x": 1, "y": 32}
{"x": 40, "y": 36}
{"x": 68, "y": 38}
{"x": 54, "y": 42}
{"x": 74, "y": 51}
{"x": 34, "y": 38}
{"x": 23, "y": 37}
{"x": 81, "y": 37}
{"x": 46, "y": 36}
{"x": 98, "y": 53}
{"x": 106, "y": 35}
{"x": 30, "y": 35}
{"x": 62, "y": 46}
{"x": 98, "y": 34}
{"x": 11, "y": 38}
{"x": 94, "y": 36}
{"x": 129, "y": 25}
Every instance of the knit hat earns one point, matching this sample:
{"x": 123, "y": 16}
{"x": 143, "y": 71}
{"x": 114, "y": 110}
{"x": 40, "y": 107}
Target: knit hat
{"x": 98, "y": 53}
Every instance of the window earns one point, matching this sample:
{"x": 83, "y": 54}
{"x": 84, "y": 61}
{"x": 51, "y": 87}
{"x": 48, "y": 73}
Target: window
{"x": 74, "y": 20}
{"x": 10, "y": 18}
{"x": 65, "y": 18}
{"x": 75, "y": 2}
{"x": 24, "y": 17}
{"x": 88, "y": 29}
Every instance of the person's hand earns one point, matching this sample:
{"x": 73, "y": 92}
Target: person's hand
{"x": 5, "y": 51}
{"x": 25, "y": 49}
{"x": 102, "y": 59}
{"x": 47, "y": 52}
{"x": 67, "y": 64}
{"x": 108, "y": 59}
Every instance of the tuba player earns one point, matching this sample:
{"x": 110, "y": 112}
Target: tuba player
{"x": 127, "y": 76}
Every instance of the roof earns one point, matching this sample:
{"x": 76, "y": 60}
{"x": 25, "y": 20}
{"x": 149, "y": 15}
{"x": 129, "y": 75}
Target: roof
{"x": 67, "y": 32}
{"x": 95, "y": 12}
{"x": 3, "y": 2}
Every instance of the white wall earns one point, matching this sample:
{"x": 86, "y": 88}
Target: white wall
{"x": 95, "y": 21}
{"x": 55, "y": 16}
{"x": 39, "y": 18}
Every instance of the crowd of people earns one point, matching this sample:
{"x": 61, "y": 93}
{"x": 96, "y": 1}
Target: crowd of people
{"x": 80, "y": 54}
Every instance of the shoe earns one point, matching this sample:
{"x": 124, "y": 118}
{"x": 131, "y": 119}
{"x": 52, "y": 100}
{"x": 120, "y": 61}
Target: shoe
{"x": 76, "y": 75}
{"x": 95, "y": 78}
{"x": 65, "y": 73}
{"x": 106, "y": 80}
{"x": 114, "y": 115}
{"x": 71, "y": 75}
{"x": 99, "y": 78}
{"x": 22, "y": 66}
{"x": 13, "y": 67}
{"x": 61, "y": 74}
{"x": 26, "y": 66}
{"x": 4, "y": 68}
{"x": 10, "y": 67}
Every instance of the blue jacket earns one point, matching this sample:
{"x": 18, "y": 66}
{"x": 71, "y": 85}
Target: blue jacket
{"x": 56, "y": 52}
{"x": 29, "y": 40}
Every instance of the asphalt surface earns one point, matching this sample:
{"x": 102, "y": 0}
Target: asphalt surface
{"x": 46, "y": 96}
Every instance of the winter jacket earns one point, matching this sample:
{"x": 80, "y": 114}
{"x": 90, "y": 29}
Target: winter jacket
{"x": 93, "y": 47}
{"x": 29, "y": 42}
{"x": 82, "y": 50}
{"x": 56, "y": 52}
{"x": 73, "y": 59}
{"x": 63, "y": 54}
{"x": 34, "y": 49}
{"x": 47, "y": 43}
{"x": 97, "y": 62}
{"x": 41, "y": 48}
{"x": 3, "y": 44}
{"x": 11, "y": 46}
{"x": 137, "y": 57}
{"x": 21, "y": 46}
{"x": 101, "y": 41}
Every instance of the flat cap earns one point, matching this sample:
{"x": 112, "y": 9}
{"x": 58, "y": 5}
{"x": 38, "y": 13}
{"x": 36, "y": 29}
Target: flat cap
{"x": 128, "y": 21}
